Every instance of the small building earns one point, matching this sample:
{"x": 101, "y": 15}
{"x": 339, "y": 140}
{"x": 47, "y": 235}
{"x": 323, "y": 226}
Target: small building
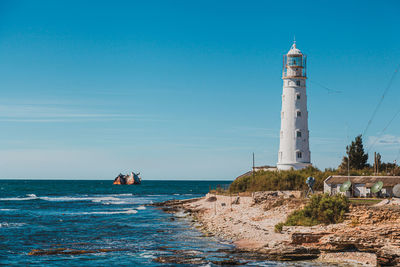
{"x": 360, "y": 185}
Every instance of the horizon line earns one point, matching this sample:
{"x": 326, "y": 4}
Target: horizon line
{"x": 88, "y": 179}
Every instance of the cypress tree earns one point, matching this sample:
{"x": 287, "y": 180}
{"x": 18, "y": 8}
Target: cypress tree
{"x": 358, "y": 158}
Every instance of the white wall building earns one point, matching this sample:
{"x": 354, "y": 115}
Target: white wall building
{"x": 360, "y": 185}
{"x": 294, "y": 149}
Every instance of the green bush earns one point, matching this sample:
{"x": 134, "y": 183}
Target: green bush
{"x": 322, "y": 209}
{"x": 279, "y": 227}
{"x": 280, "y": 180}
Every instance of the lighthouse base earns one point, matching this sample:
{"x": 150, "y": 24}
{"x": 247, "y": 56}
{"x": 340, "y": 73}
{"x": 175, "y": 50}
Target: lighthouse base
{"x": 294, "y": 166}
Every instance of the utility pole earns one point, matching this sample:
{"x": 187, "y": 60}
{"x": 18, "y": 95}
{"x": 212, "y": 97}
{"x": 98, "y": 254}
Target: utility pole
{"x": 254, "y": 167}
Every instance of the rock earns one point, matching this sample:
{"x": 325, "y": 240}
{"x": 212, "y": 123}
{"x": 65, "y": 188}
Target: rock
{"x": 284, "y": 252}
{"x": 171, "y": 209}
{"x": 259, "y": 197}
{"x": 230, "y": 262}
{"x": 305, "y": 238}
{"x": 129, "y": 179}
{"x": 366, "y": 231}
{"x": 211, "y": 199}
{"x": 179, "y": 260}
{"x": 388, "y": 255}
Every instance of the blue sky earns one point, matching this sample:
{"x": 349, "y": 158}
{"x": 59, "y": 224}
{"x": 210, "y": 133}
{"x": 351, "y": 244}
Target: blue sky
{"x": 187, "y": 89}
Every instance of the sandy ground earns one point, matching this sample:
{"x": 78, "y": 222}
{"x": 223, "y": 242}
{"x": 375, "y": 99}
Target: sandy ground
{"x": 250, "y": 226}
{"x": 246, "y": 224}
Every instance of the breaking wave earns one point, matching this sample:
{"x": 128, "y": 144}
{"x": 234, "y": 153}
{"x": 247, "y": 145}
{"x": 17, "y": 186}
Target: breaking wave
{"x": 27, "y": 197}
{"x": 61, "y": 199}
{"x": 121, "y": 195}
{"x": 11, "y": 225}
{"x": 128, "y": 211}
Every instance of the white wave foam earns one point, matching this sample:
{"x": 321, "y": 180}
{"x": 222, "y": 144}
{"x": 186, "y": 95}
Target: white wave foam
{"x": 141, "y": 208}
{"x": 93, "y": 199}
{"x": 147, "y": 255}
{"x": 7, "y": 209}
{"x": 29, "y": 197}
{"x": 181, "y": 214}
{"x": 115, "y": 199}
{"x": 128, "y": 201}
{"x": 115, "y": 203}
{"x": 63, "y": 198}
{"x": 128, "y": 211}
{"x": 121, "y": 195}
{"x": 11, "y": 225}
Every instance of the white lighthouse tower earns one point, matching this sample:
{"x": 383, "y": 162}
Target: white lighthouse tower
{"x": 294, "y": 149}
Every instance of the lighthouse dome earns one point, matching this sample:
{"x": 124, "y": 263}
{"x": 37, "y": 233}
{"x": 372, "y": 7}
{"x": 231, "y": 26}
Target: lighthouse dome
{"x": 294, "y": 50}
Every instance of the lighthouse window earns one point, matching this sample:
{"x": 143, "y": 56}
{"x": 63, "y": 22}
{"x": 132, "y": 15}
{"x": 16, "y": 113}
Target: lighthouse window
{"x": 298, "y": 113}
{"x": 298, "y": 154}
{"x": 298, "y": 134}
{"x": 298, "y": 83}
{"x": 298, "y": 96}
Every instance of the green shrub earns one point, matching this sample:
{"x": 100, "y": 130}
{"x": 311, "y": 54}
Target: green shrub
{"x": 279, "y": 227}
{"x": 279, "y": 180}
{"x": 322, "y": 209}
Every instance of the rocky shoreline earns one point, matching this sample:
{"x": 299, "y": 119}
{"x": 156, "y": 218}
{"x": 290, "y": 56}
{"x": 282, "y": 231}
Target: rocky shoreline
{"x": 370, "y": 235}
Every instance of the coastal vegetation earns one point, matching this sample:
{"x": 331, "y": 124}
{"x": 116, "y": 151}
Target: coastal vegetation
{"x": 365, "y": 201}
{"x": 295, "y": 179}
{"x": 321, "y": 209}
{"x": 282, "y": 180}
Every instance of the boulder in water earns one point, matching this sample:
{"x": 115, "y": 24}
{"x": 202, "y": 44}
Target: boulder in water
{"x": 132, "y": 178}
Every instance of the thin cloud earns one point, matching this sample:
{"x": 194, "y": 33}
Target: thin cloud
{"x": 254, "y": 131}
{"x": 49, "y": 114}
{"x": 384, "y": 140}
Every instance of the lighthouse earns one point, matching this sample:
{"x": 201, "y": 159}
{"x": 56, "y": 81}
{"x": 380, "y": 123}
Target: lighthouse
{"x": 294, "y": 151}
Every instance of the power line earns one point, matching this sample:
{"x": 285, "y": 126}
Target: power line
{"x": 381, "y": 100}
{"x": 329, "y": 90}
{"x": 384, "y": 129}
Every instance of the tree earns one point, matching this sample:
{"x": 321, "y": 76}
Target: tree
{"x": 358, "y": 158}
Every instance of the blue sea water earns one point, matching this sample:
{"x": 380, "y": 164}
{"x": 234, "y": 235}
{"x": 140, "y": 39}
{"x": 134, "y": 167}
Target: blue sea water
{"x": 96, "y": 215}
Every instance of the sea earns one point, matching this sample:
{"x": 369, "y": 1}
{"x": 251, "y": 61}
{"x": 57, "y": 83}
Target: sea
{"x": 96, "y": 223}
